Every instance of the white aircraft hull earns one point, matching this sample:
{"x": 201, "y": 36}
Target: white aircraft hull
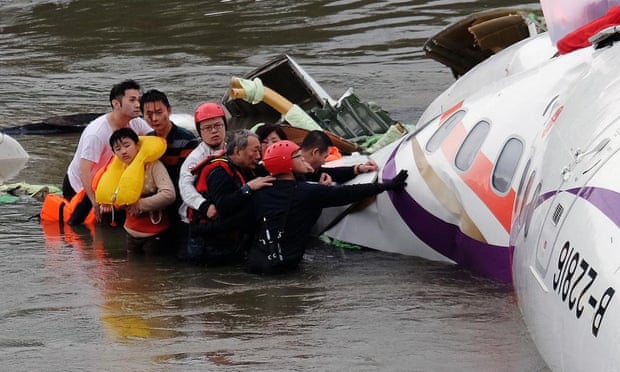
{"x": 13, "y": 157}
{"x": 566, "y": 234}
{"x": 450, "y": 214}
{"x": 550, "y": 223}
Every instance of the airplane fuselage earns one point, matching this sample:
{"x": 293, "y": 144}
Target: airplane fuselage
{"x": 513, "y": 173}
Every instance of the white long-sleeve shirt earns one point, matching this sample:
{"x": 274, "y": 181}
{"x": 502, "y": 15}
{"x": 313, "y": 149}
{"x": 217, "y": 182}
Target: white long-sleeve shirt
{"x": 187, "y": 189}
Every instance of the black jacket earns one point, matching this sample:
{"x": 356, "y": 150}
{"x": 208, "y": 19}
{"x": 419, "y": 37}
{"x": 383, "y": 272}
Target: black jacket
{"x": 338, "y": 174}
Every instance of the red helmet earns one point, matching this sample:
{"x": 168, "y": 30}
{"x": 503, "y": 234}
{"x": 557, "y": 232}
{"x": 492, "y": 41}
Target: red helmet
{"x": 208, "y": 110}
{"x": 278, "y": 157}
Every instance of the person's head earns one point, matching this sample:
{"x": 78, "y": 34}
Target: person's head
{"x": 156, "y": 111}
{"x": 125, "y": 98}
{"x": 284, "y": 157}
{"x": 210, "y": 120}
{"x": 243, "y": 148}
{"x": 315, "y": 148}
{"x": 125, "y": 144}
{"x": 269, "y": 134}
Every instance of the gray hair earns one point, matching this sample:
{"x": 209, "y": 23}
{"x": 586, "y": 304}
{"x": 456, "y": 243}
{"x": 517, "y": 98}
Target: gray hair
{"x": 238, "y": 139}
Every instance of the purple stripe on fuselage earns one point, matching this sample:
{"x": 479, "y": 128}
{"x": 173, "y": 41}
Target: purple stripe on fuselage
{"x": 604, "y": 199}
{"x": 489, "y": 260}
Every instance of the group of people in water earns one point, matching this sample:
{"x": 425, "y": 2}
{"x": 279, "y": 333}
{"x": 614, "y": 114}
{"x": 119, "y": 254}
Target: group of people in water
{"x": 216, "y": 198}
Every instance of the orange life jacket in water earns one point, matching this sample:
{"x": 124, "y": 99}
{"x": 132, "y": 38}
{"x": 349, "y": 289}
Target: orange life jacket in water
{"x": 56, "y": 208}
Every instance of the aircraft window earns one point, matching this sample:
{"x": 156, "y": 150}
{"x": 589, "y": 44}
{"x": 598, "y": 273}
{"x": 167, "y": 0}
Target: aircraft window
{"x": 444, "y": 130}
{"x": 507, "y": 164}
{"x": 471, "y": 146}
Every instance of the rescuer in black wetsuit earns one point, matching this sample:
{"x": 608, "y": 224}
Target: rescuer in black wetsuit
{"x": 286, "y": 211}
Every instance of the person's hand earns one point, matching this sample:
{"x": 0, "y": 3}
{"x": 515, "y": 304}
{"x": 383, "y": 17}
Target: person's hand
{"x": 133, "y": 210}
{"x": 325, "y": 179}
{"x": 397, "y": 183}
{"x": 105, "y": 208}
{"x": 211, "y": 211}
{"x": 260, "y": 182}
{"x": 208, "y": 209}
{"x": 369, "y": 166}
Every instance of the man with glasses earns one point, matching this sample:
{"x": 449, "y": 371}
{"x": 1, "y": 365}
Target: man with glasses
{"x": 227, "y": 181}
{"x": 210, "y": 120}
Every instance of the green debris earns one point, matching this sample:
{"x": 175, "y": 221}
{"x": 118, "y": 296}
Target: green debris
{"x": 344, "y": 245}
{"x": 10, "y": 193}
{"x": 339, "y": 243}
{"x": 7, "y": 199}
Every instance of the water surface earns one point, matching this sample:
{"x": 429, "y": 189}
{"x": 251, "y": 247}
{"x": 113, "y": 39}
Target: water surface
{"x": 73, "y": 299}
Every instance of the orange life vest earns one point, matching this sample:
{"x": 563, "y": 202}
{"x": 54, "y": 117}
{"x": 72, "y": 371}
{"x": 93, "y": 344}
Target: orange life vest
{"x": 56, "y": 208}
{"x": 334, "y": 154}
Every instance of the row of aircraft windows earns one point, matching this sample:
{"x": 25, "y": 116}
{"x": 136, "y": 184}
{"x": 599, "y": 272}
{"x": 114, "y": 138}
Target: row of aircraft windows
{"x": 505, "y": 164}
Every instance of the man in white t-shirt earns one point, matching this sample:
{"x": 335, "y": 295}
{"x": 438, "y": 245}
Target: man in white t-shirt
{"x": 93, "y": 151}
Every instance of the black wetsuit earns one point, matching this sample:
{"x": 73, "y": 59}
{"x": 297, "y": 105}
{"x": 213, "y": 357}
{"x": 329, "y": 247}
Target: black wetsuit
{"x": 306, "y": 204}
{"x": 338, "y": 174}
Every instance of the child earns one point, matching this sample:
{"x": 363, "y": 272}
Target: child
{"x": 146, "y": 219}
